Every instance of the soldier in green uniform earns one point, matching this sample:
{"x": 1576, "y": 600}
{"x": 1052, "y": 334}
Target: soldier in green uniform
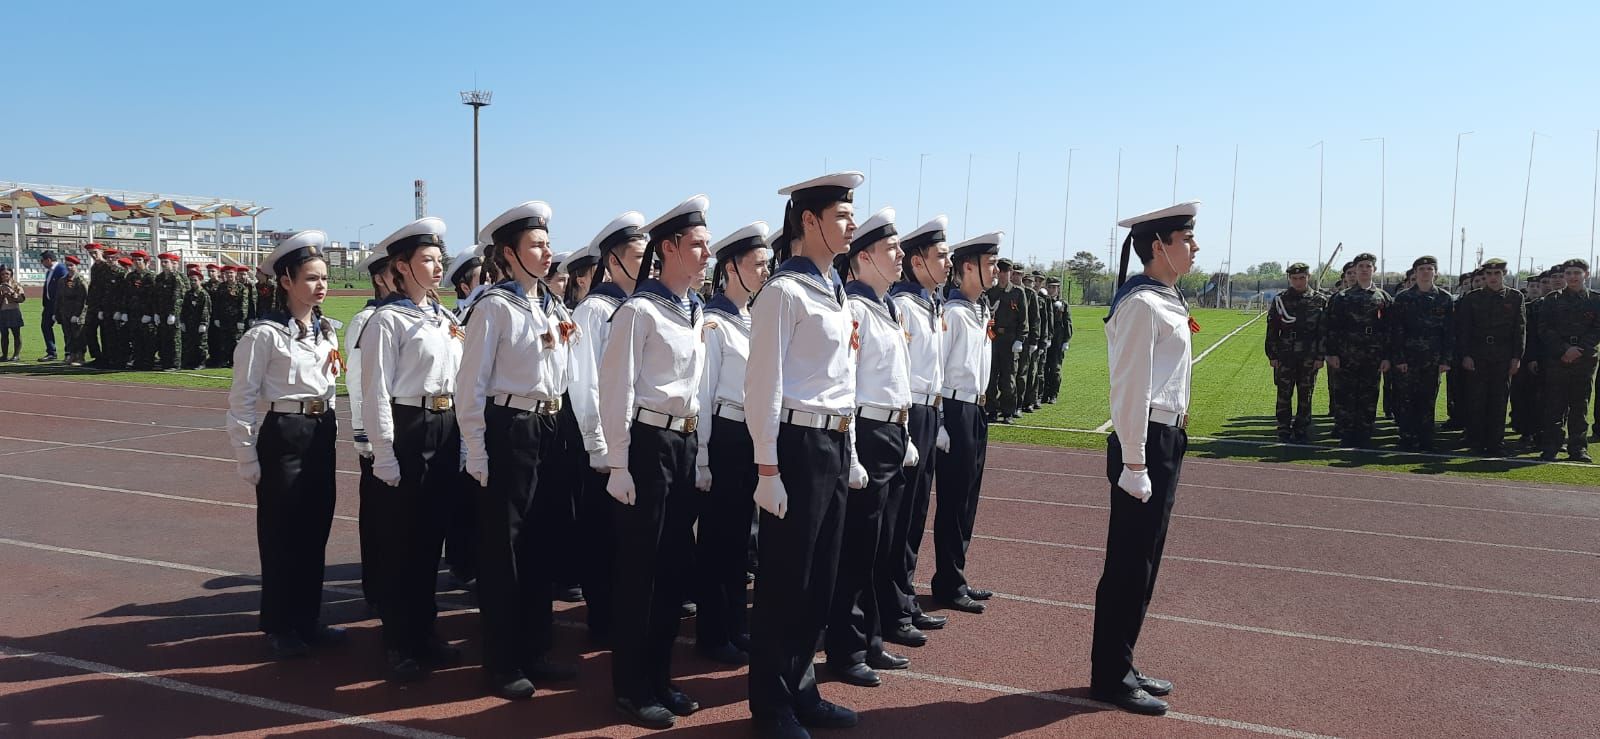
{"x": 1357, "y": 345}
{"x": 1422, "y": 322}
{"x": 71, "y": 306}
{"x": 168, "y": 302}
{"x": 1491, "y": 329}
{"x": 211, "y": 286}
{"x": 1389, "y": 379}
{"x": 1060, "y": 337}
{"x": 195, "y": 317}
{"x": 1455, "y": 404}
{"x": 265, "y": 298}
{"x": 143, "y": 300}
{"x": 1527, "y": 408}
{"x": 119, "y": 308}
{"x": 1569, "y": 335}
{"x": 237, "y": 299}
{"x": 1010, "y": 316}
{"x": 1296, "y": 320}
{"x": 1347, "y": 277}
{"x": 1028, "y": 368}
{"x": 93, "y": 317}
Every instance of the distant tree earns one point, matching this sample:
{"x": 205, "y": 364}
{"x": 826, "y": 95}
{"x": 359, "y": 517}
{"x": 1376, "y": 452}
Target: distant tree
{"x": 1266, "y": 270}
{"x": 1084, "y": 267}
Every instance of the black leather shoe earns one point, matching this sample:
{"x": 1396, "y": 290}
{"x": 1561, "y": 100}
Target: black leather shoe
{"x": 439, "y": 653}
{"x": 881, "y": 660}
{"x": 1549, "y": 457}
{"x": 649, "y": 715}
{"x": 726, "y": 654}
{"x": 512, "y": 686}
{"x": 546, "y": 671}
{"x": 403, "y": 668}
{"x": 688, "y": 609}
{"x": 567, "y": 593}
{"x": 1154, "y": 685}
{"x": 742, "y": 641}
{"x": 964, "y": 603}
{"x": 857, "y": 674}
{"x": 677, "y": 702}
{"x": 906, "y": 635}
{"x": 979, "y": 593}
{"x": 929, "y": 623}
{"x": 826, "y": 715}
{"x": 786, "y": 727}
{"x": 325, "y": 636}
{"x": 287, "y": 646}
{"x": 1579, "y": 455}
{"x": 1133, "y": 701}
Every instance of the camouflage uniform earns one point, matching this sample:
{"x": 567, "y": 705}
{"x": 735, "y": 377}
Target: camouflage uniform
{"x": 1356, "y": 335}
{"x": 1296, "y": 323}
{"x": 167, "y": 301}
{"x": 144, "y": 299}
{"x": 264, "y": 298}
{"x": 196, "y": 319}
{"x": 1422, "y": 325}
{"x": 213, "y": 335}
{"x": 1010, "y": 320}
{"x": 228, "y": 316}
{"x": 71, "y": 304}
{"x": 1527, "y": 408}
{"x": 97, "y": 315}
{"x": 119, "y": 308}
{"x": 1028, "y": 380}
{"x": 1491, "y": 330}
{"x": 1570, "y": 319}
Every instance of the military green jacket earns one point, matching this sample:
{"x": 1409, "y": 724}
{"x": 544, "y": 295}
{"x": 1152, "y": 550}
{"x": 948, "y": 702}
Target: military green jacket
{"x": 1063, "y": 322}
{"x": 1491, "y": 325}
{"x": 72, "y": 300}
{"x": 1355, "y": 325}
{"x": 102, "y": 278}
{"x": 1296, "y": 325}
{"x": 167, "y": 296}
{"x": 1047, "y": 319}
{"x": 1569, "y": 319}
{"x": 1010, "y": 314}
{"x": 196, "y": 310}
{"x": 1031, "y": 331}
{"x": 1422, "y": 327}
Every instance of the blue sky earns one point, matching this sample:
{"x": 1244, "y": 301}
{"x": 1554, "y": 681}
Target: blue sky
{"x": 327, "y": 112}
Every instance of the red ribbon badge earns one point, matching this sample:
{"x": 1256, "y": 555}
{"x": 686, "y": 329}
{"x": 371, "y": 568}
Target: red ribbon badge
{"x": 336, "y": 362}
{"x": 1194, "y": 326}
{"x": 567, "y": 329}
{"x": 991, "y": 329}
{"x": 855, "y": 335}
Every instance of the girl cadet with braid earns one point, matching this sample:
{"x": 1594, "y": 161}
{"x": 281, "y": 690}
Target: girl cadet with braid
{"x": 410, "y": 351}
{"x": 281, "y": 423}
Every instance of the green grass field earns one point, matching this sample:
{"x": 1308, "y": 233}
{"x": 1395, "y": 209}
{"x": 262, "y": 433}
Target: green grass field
{"x": 1231, "y": 415}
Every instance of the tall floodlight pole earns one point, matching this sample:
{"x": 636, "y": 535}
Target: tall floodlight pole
{"x": 478, "y": 99}
{"x": 1321, "y": 152}
{"x": 1594, "y": 202}
{"x": 920, "y": 159}
{"x": 1175, "y": 151}
{"x": 1383, "y": 202}
{"x": 1527, "y": 188}
{"x": 1016, "y": 194}
{"x": 1454, "y": 185}
{"x": 1232, "y": 201}
{"x": 1066, "y": 212}
{"x": 966, "y": 202}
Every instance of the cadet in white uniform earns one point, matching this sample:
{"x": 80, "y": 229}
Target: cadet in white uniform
{"x": 968, "y": 352}
{"x": 799, "y": 404}
{"x": 649, "y": 402}
{"x": 854, "y": 637}
{"x": 569, "y": 467}
{"x": 919, "y": 303}
{"x": 410, "y": 351}
{"x": 376, "y": 265}
{"x": 617, "y": 248}
{"x": 465, "y": 277}
{"x": 281, "y": 423}
{"x": 1147, "y": 342}
{"x": 725, "y": 467}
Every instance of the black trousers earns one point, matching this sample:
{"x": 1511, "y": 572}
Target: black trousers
{"x": 513, "y": 570}
{"x": 564, "y": 471}
{"x": 89, "y": 334}
{"x": 1566, "y": 400}
{"x": 960, "y": 475}
{"x": 904, "y": 520}
{"x": 411, "y": 521}
{"x": 368, "y": 490}
{"x": 1487, "y": 389}
{"x": 461, "y": 530}
{"x": 655, "y": 538}
{"x": 294, "y": 511}
{"x": 799, "y": 563}
{"x": 1416, "y": 399}
{"x": 599, "y": 550}
{"x": 855, "y": 622}
{"x": 1134, "y": 540}
{"x": 47, "y": 326}
{"x": 722, "y": 547}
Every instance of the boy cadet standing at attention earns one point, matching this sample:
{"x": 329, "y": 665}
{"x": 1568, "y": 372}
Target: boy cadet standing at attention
{"x": 1491, "y": 330}
{"x": 1571, "y": 336}
{"x": 1147, "y": 341}
{"x": 1295, "y": 326}
{"x": 799, "y": 403}
{"x": 196, "y": 319}
{"x": 1423, "y": 327}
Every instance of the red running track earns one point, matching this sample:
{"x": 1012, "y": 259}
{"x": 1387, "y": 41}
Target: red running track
{"x": 1294, "y": 601}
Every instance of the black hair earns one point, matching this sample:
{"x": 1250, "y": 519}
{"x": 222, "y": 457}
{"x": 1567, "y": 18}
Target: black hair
{"x": 570, "y": 295}
{"x": 280, "y": 298}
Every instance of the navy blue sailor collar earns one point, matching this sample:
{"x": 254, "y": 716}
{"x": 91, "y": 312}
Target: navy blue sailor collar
{"x": 652, "y": 288}
{"x": 806, "y": 268}
{"x": 1139, "y": 283}
{"x": 863, "y": 290}
{"x": 721, "y": 303}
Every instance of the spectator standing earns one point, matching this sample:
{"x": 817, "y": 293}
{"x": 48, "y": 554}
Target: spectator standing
{"x": 11, "y": 298}
{"x": 54, "y": 273}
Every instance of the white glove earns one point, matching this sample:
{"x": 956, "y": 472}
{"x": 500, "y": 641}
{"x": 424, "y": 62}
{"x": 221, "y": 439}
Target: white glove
{"x": 241, "y": 326}
{"x": 389, "y": 473}
{"x": 77, "y": 319}
{"x": 100, "y": 315}
{"x": 1016, "y": 347}
{"x": 620, "y": 486}
{"x": 144, "y": 320}
{"x": 943, "y": 442}
{"x": 858, "y": 476}
{"x": 771, "y": 496}
{"x": 597, "y": 461}
{"x": 202, "y": 328}
{"x": 911, "y": 455}
{"x": 479, "y": 469}
{"x": 217, "y": 323}
{"x": 1135, "y": 483}
{"x": 364, "y": 449}
{"x": 702, "y": 478}
{"x": 250, "y": 471}
{"x": 171, "y": 319}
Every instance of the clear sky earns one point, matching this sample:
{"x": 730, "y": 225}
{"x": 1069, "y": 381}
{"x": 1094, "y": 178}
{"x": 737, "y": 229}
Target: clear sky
{"x": 327, "y": 111}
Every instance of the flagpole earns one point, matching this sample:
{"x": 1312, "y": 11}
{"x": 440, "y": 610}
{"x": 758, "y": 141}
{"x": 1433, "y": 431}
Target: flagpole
{"x": 966, "y": 203}
{"x": 1454, "y": 186}
{"x": 1066, "y": 211}
{"x": 1232, "y": 202}
{"x": 1527, "y": 188}
{"x": 1016, "y": 194}
{"x": 1321, "y": 156}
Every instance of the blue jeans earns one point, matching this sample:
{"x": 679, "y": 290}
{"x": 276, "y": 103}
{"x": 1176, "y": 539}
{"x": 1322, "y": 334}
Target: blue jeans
{"x": 47, "y": 326}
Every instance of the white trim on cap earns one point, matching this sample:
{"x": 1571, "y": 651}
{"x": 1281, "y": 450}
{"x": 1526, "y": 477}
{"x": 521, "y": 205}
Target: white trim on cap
{"x": 850, "y": 179}
{"x": 884, "y": 217}
{"x": 1189, "y": 208}
{"x": 938, "y": 223}
{"x": 993, "y": 237}
{"x": 695, "y": 204}
{"x": 301, "y": 240}
{"x": 460, "y": 260}
{"x": 631, "y": 218}
{"x": 428, "y": 225}
{"x": 758, "y": 228}
{"x": 529, "y": 209}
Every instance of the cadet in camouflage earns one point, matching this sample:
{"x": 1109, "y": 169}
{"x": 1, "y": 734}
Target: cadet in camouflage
{"x": 1357, "y": 345}
{"x": 1422, "y": 323}
{"x": 1491, "y": 330}
{"x": 1295, "y": 325}
{"x": 1568, "y": 336}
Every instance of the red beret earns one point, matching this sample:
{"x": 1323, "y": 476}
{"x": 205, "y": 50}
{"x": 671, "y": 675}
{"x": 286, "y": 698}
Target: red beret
{"x": 171, "y": 257}
{"x": 112, "y": 252}
{"x": 126, "y": 262}
{"x": 73, "y": 259}
{"x": 141, "y": 254}
{"x": 91, "y": 246}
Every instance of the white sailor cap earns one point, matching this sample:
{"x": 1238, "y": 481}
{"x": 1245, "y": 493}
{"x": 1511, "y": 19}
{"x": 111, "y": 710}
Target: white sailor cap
{"x": 877, "y": 228}
{"x": 510, "y": 224}
{"x": 560, "y": 259}
{"x": 427, "y": 231}
{"x": 294, "y": 250}
{"x": 926, "y": 235}
{"x": 462, "y": 262}
{"x": 687, "y": 214}
{"x": 775, "y": 238}
{"x": 746, "y": 238}
{"x": 838, "y": 183}
{"x": 1170, "y": 218}
{"x": 375, "y": 261}
{"x": 579, "y": 259}
{"x": 988, "y": 243}
{"x": 618, "y": 231}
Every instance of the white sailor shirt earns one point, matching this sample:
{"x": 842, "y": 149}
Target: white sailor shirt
{"x": 514, "y": 346}
{"x": 352, "y": 376}
{"x": 801, "y": 353}
{"x": 883, "y": 378}
{"x": 593, "y": 316}
{"x": 407, "y": 351}
{"x": 273, "y": 362}
{"x": 652, "y": 360}
{"x": 966, "y": 347}
{"x": 1147, "y": 347}
{"x": 727, "y": 332}
{"x": 923, "y": 320}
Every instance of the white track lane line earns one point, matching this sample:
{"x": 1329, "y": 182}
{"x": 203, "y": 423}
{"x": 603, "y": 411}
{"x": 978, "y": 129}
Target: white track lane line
{"x": 145, "y": 493}
{"x": 565, "y": 623}
{"x": 226, "y": 696}
{"x": 1340, "y": 498}
{"x": 58, "y": 396}
{"x": 1104, "y": 427}
{"x": 136, "y": 385}
{"x": 55, "y": 445}
{"x": 143, "y": 424}
{"x": 1302, "y": 570}
{"x": 106, "y": 446}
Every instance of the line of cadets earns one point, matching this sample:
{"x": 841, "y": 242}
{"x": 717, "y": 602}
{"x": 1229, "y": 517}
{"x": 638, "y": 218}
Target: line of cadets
{"x": 1533, "y": 349}
{"x": 135, "y": 313}
{"x": 808, "y": 413}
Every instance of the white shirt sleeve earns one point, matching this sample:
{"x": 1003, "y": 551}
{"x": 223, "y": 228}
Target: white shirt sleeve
{"x": 618, "y": 368}
{"x": 378, "y": 362}
{"x": 472, "y": 377}
{"x": 352, "y": 373}
{"x": 250, "y": 360}
{"x": 710, "y": 375}
{"x": 771, "y": 329}
{"x": 1131, "y": 358}
{"x": 584, "y": 390}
